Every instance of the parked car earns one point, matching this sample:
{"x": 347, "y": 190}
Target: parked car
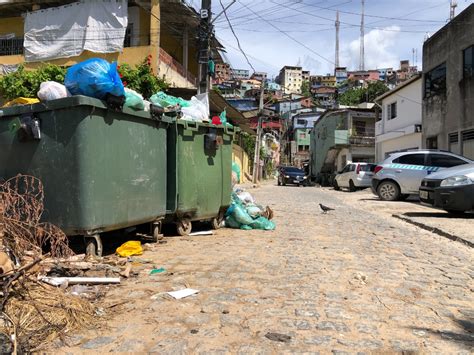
{"x": 450, "y": 189}
{"x": 354, "y": 176}
{"x": 291, "y": 175}
{"x": 400, "y": 175}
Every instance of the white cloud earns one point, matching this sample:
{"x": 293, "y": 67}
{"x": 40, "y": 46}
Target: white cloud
{"x": 380, "y": 50}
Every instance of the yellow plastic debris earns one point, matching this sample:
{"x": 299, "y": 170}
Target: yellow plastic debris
{"x": 21, "y": 101}
{"x": 132, "y": 247}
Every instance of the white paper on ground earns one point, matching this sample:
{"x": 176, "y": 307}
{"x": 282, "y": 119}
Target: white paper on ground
{"x": 182, "y": 293}
{"x": 202, "y": 233}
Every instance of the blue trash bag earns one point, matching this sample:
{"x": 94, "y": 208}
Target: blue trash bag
{"x": 94, "y": 77}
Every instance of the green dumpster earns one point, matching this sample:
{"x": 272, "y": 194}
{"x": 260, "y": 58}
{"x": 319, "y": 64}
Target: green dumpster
{"x": 102, "y": 169}
{"x": 199, "y": 173}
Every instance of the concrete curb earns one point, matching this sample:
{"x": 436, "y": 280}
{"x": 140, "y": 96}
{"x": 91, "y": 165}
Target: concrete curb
{"x": 435, "y": 230}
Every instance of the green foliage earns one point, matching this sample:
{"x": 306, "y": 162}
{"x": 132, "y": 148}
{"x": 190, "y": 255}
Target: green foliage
{"x": 248, "y": 144}
{"x": 26, "y": 83}
{"x": 141, "y": 78}
{"x": 305, "y": 88}
{"x": 356, "y": 96}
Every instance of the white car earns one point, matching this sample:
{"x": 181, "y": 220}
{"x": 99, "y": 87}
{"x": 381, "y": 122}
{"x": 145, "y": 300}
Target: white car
{"x": 354, "y": 176}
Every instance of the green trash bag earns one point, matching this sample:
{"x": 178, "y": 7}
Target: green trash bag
{"x": 134, "y": 100}
{"x": 164, "y": 100}
{"x": 223, "y": 117}
{"x": 263, "y": 223}
{"x": 231, "y": 222}
{"x": 241, "y": 215}
{"x": 236, "y": 170}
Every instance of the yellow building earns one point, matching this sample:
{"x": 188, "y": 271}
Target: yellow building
{"x": 163, "y": 29}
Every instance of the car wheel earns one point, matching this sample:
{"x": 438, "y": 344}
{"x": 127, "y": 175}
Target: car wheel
{"x": 352, "y": 187}
{"x": 336, "y": 186}
{"x": 388, "y": 191}
{"x": 455, "y": 213}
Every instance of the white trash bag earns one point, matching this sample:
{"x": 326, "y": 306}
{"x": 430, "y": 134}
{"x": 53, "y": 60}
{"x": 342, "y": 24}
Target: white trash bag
{"x": 51, "y": 90}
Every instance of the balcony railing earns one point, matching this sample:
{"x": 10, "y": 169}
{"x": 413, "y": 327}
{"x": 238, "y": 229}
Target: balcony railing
{"x": 176, "y": 66}
{"x": 12, "y": 46}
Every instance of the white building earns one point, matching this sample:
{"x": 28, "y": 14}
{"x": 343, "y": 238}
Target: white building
{"x": 290, "y": 79}
{"x": 400, "y": 127}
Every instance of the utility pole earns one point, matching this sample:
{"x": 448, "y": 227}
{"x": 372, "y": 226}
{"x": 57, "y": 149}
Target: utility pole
{"x": 256, "y": 160}
{"x": 205, "y": 32}
{"x": 337, "y": 40}
{"x": 362, "y": 39}
{"x": 452, "y": 5}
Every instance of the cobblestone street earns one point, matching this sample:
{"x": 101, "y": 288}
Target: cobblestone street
{"x": 353, "y": 280}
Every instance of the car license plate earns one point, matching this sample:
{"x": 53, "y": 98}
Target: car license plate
{"x": 424, "y": 194}
{"x": 296, "y": 181}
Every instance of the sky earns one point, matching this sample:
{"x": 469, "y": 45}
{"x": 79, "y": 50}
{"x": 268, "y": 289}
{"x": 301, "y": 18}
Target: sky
{"x": 275, "y": 33}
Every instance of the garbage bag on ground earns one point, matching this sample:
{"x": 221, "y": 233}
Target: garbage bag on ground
{"x": 51, "y": 90}
{"x": 21, "y": 101}
{"x": 134, "y": 100}
{"x": 262, "y": 223}
{"x": 245, "y": 197}
{"x": 132, "y": 247}
{"x": 163, "y": 100}
{"x": 94, "y": 77}
{"x": 247, "y": 217}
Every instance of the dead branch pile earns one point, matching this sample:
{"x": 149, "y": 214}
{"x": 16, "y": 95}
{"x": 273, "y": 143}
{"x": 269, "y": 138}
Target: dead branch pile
{"x": 32, "y": 313}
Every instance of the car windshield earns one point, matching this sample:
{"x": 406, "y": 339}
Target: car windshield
{"x": 367, "y": 167}
{"x": 293, "y": 170}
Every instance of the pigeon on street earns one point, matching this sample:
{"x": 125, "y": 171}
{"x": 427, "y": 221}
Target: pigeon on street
{"x": 325, "y": 209}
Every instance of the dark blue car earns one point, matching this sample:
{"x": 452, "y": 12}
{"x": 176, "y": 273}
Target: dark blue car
{"x": 291, "y": 175}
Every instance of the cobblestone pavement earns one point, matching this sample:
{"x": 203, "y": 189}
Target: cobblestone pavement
{"x": 346, "y": 282}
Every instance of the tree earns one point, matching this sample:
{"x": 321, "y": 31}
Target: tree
{"x": 357, "y": 96}
{"x": 305, "y": 89}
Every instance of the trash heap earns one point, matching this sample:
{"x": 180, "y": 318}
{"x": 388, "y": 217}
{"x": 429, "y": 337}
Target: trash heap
{"x": 244, "y": 212}
{"x": 43, "y": 295}
{"x": 100, "y": 79}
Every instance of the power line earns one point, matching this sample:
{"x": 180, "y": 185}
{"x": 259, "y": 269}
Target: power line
{"x": 236, "y": 38}
{"x": 346, "y": 23}
{"x": 289, "y": 36}
{"x": 374, "y": 16}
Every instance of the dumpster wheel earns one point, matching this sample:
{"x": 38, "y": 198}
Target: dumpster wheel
{"x": 94, "y": 245}
{"x": 216, "y": 222}
{"x": 183, "y": 227}
{"x": 157, "y": 236}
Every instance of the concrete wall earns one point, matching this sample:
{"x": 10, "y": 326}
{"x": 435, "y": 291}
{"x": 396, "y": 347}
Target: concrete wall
{"x": 398, "y": 134}
{"x": 242, "y": 160}
{"x": 451, "y": 112}
{"x": 405, "y": 142}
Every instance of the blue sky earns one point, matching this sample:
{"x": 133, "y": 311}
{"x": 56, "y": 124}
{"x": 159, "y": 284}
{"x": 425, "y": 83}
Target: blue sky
{"x": 264, "y": 28}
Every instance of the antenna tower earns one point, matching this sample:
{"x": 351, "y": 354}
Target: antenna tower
{"x": 362, "y": 39}
{"x": 453, "y": 4}
{"x": 337, "y": 40}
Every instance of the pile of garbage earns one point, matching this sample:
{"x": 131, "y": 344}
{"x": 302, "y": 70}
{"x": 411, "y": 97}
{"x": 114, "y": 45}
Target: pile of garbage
{"x": 33, "y": 309}
{"x": 244, "y": 212}
{"x": 98, "y": 78}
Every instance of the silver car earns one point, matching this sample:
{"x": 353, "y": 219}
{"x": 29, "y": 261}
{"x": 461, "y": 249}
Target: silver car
{"x": 354, "y": 176}
{"x": 451, "y": 189}
{"x": 400, "y": 175}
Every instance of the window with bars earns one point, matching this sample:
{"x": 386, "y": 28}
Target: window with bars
{"x": 468, "y": 143}
{"x": 435, "y": 81}
{"x": 454, "y": 146}
{"x": 468, "y": 62}
{"x": 392, "y": 111}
